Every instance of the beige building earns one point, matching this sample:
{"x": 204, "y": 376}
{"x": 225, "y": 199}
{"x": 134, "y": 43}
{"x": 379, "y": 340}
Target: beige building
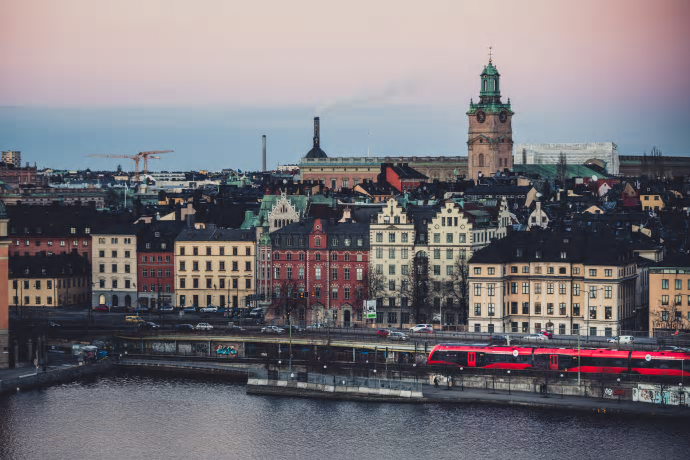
{"x": 567, "y": 283}
{"x": 56, "y": 281}
{"x": 669, "y": 296}
{"x": 114, "y": 267}
{"x": 436, "y": 239}
{"x": 215, "y": 267}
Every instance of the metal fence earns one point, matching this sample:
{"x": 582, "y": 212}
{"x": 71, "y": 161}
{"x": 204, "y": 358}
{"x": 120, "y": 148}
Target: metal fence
{"x": 340, "y": 380}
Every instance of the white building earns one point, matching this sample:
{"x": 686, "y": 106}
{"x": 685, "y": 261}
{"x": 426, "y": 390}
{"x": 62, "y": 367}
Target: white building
{"x": 580, "y": 153}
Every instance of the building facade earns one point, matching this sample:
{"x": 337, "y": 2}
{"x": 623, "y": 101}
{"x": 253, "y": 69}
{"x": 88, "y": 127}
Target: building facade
{"x": 4, "y": 301}
{"x": 490, "y": 135}
{"x": 59, "y": 281}
{"x": 156, "y": 263}
{"x": 114, "y": 272}
{"x": 567, "y": 283}
{"x": 323, "y": 267}
{"x": 669, "y": 296}
{"x": 215, "y": 266}
{"x": 576, "y": 153}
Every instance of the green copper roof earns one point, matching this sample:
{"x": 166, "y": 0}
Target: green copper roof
{"x": 490, "y": 70}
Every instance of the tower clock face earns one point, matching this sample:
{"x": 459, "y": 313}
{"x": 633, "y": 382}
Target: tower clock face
{"x": 503, "y": 116}
{"x": 481, "y": 116}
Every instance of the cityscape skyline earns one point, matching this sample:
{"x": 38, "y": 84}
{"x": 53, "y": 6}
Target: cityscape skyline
{"x": 391, "y": 78}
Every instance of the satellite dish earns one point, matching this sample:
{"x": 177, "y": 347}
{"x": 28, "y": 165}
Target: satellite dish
{"x": 595, "y": 178}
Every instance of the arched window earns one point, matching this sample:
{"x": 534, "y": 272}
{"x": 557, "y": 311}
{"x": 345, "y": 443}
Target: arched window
{"x": 101, "y": 299}
{"x": 115, "y": 301}
{"x": 484, "y": 85}
{"x": 481, "y": 160}
{"x": 128, "y": 301}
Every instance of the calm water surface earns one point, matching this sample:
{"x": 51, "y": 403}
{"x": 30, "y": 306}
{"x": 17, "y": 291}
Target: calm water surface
{"x": 140, "y": 417}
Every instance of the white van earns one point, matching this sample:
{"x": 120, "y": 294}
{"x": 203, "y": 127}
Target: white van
{"x": 622, "y": 339}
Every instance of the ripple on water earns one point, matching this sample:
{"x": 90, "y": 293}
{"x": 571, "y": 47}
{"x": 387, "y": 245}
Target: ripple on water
{"x": 140, "y": 417}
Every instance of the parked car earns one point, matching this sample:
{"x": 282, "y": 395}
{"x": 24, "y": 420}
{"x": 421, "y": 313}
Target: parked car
{"x": 397, "y": 336}
{"x": 189, "y": 309}
{"x": 100, "y": 308}
{"x": 422, "y": 328}
{"x": 203, "y": 327}
{"x": 53, "y": 324}
{"x": 256, "y": 313}
{"x": 234, "y": 328}
{"x": 547, "y": 334}
{"x": 184, "y": 327}
{"x": 272, "y": 330}
{"x": 621, "y": 339}
{"x": 166, "y": 309}
{"x": 148, "y": 326}
{"x": 295, "y": 328}
{"x": 315, "y": 326}
{"x": 535, "y": 337}
{"x": 498, "y": 339}
{"x": 383, "y": 332}
{"x": 209, "y": 309}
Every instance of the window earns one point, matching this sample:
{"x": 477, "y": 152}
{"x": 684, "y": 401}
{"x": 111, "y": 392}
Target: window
{"x": 346, "y": 293}
{"x": 525, "y": 288}
{"x": 525, "y": 308}
{"x": 114, "y": 268}
{"x": 391, "y": 285}
{"x": 403, "y": 254}
{"x": 491, "y": 271}
{"x": 234, "y": 266}
{"x": 182, "y": 265}
{"x": 607, "y": 312}
{"x": 576, "y": 270}
{"x": 247, "y": 266}
{"x": 404, "y": 270}
{"x": 592, "y": 292}
{"x": 549, "y": 270}
{"x": 248, "y": 251}
{"x": 449, "y": 270}
{"x": 592, "y": 312}
{"x": 300, "y": 273}
{"x": 208, "y": 266}
{"x": 276, "y": 273}
{"x": 491, "y": 289}
{"x": 477, "y": 289}
{"x": 561, "y": 309}
{"x": 679, "y": 284}
{"x": 391, "y": 253}
{"x": 317, "y": 273}
{"x": 437, "y": 237}
{"x": 114, "y": 284}
{"x": 513, "y": 308}
{"x": 477, "y": 309}
{"x": 403, "y": 238}
{"x": 513, "y": 288}
{"x": 379, "y": 237}
{"x": 576, "y": 288}
{"x": 248, "y": 283}
{"x": 437, "y": 270}
{"x": 664, "y": 300}
{"x": 608, "y": 292}
{"x": 492, "y": 309}
{"x": 561, "y": 288}
{"x": 608, "y": 272}
{"x": 592, "y": 272}
{"x": 549, "y": 309}
{"x": 195, "y": 265}
{"x": 449, "y": 237}
{"x": 101, "y": 268}
{"x": 477, "y": 270}
{"x": 437, "y": 253}
{"x": 346, "y": 273}
{"x": 576, "y": 309}
{"x": 379, "y": 253}
{"x": 549, "y": 288}
{"x": 360, "y": 274}
{"x": 288, "y": 273}
{"x": 391, "y": 269}
{"x": 391, "y": 237}
{"x": 334, "y": 273}
{"x": 537, "y": 308}
{"x": 181, "y": 250}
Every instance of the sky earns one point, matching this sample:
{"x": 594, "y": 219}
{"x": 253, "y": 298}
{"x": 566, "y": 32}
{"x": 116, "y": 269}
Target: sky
{"x": 392, "y": 77}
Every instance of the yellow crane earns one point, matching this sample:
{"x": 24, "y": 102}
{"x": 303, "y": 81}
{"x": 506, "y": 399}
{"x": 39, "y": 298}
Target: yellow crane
{"x": 146, "y": 156}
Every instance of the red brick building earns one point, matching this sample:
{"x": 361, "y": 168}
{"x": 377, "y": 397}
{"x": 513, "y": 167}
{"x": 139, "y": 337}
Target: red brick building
{"x": 156, "y": 263}
{"x": 319, "y": 271}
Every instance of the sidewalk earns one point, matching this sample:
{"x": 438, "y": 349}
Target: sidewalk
{"x": 552, "y": 401}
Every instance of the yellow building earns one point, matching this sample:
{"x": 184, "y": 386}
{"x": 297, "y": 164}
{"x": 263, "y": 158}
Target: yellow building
{"x": 567, "y": 283}
{"x": 39, "y": 281}
{"x": 651, "y": 202}
{"x": 215, "y": 267}
{"x": 669, "y": 296}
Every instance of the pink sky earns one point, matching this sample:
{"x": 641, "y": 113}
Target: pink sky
{"x": 301, "y": 52}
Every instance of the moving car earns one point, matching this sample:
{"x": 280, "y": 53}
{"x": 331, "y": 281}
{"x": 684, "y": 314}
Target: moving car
{"x": 399, "y": 336}
{"x": 149, "y": 326}
{"x": 547, "y": 334}
{"x": 234, "y": 328}
{"x": 621, "y": 339}
{"x": 134, "y": 319}
{"x": 166, "y": 309}
{"x": 203, "y": 327}
{"x": 383, "y": 332}
{"x": 189, "y": 309}
{"x": 272, "y": 330}
{"x": 422, "y": 328}
{"x": 100, "y": 308}
{"x": 184, "y": 327}
{"x": 535, "y": 337}
{"x": 209, "y": 309}
{"x": 53, "y": 324}
{"x": 295, "y": 328}
{"x": 315, "y": 326}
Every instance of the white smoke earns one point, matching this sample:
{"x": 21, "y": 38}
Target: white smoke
{"x": 386, "y": 94}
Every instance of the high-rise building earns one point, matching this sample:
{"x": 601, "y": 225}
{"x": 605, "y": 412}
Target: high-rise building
{"x": 12, "y": 157}
{"x": 490, "y": 135}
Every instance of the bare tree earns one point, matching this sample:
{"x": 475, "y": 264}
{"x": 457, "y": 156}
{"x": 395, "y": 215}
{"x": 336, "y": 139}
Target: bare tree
{"x": 669, "y": 317}
{"x": 415, "y": 287}
{"x": 288, "y": 300}
{"x": 457, "y": 287}
{"x": 562, "y": 168}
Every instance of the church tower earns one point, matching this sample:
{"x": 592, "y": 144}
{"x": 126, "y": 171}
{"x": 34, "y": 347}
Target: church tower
{"x": 490, "y": 136}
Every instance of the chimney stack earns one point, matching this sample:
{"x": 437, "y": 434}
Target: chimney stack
{"x": 316, "y": 132}
{"x": 263, "y": 152}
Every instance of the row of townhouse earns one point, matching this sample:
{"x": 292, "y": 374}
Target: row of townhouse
{"x": 569, "y": 283}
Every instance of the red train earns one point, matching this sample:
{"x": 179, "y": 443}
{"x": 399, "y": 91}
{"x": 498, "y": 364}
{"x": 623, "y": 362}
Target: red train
{"x": 601, "y": 360}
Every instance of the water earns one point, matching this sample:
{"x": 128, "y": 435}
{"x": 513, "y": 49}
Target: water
{"x": 142, "y": 417}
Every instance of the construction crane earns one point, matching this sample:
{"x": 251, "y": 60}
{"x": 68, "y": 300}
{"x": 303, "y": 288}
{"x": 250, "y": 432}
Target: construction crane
{"x": 136, "y": 158}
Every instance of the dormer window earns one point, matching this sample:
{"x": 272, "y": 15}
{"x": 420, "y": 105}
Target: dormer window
{"x": 564, "y": 255}
{"x": 73, "y": 230}
{"x": 157, "y": 234}
{"x": 537, "y": 255}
